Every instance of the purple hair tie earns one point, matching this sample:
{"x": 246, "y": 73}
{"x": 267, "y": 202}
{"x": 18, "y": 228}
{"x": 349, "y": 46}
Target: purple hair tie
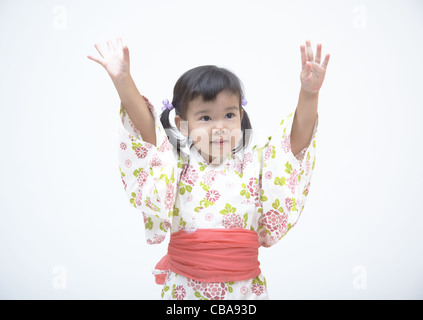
{"x": 167, "y": 105}
{"x": 243, "y": 102}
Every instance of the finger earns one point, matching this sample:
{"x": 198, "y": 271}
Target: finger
{"x": 95, "y": 59}
{"x": 303, "y": 56}
{"x": 308, "y": 69}
{"x": 119, "y": 43}
{"x": 125, "y": 53}
{"x": 99, "y": 49}
{"x": 309, "y": 51}
{"x": 110, "y": 45}
{"x": 318, "y": 53}
{"x": 124, "y": 49}
{"x": 326, "y": 61}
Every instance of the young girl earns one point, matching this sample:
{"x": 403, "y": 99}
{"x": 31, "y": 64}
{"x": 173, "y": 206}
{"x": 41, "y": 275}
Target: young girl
{"x": 219, "y": 197}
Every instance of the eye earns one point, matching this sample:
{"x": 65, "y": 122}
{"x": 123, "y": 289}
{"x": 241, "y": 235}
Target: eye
{"x": 231, "y": 115}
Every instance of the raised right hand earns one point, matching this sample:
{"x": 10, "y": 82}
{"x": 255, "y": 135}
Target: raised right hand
{"x": 115, "y": 60}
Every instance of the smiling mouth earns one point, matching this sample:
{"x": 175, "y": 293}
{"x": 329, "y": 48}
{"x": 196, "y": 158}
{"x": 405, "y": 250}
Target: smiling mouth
{"x": 219, "y": 141}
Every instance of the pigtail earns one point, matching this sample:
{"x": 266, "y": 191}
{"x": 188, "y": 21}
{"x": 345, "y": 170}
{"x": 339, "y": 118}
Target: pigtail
{"x": 246, "y": 129}
{"x": 171, "y": 131}
{"x": 164, "y": 119}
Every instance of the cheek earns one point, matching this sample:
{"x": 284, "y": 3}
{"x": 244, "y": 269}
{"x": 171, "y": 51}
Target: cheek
{"x": 200, "y": 135}
{"x": 236, "y": 135}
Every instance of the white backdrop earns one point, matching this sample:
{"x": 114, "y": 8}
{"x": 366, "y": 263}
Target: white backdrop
{"x": 67, "y": 230}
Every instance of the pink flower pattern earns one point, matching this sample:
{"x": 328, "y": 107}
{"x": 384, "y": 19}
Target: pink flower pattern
{"x": 124, "y": 183}
{"x": 165, "y": 146}
{"x": 268, "y": 175}
{"x": 253, "y": 189}
{"x": 166, "y": 189}
{"x": 138, "y": 199}
{"x": 189, "y": 175}
{"x": 232, "y": 220}
{"x": 275, "y": 222}
{"x": 308, "y": 167}
{"x": 244, "y": 290}
{"x": 141, "y": 152}
{"x": 166, "y": 225}
{"x": 213, "y": 195}
{"x": 288, "y": 203}
{"x": 170, "y": 195}
{"x": 257, "y": 289}
{"x": 158, "y": 238}
{"x": 156, "y": 162}
{"x": 293, "y": 181}
{"x": 180, "y": 292}
{"x": 268, "y": 152}
{"x": 239, "y": 167}
{"x": 210, "y": 290}
{"x": 210, "y": 177}
{"x": 286, "y": 143}
{"x": 142, "y": 178}
{"x": 128, "y": 163}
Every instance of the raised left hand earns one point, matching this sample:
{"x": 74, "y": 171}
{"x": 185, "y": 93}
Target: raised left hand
{"x": 312, "y": 73}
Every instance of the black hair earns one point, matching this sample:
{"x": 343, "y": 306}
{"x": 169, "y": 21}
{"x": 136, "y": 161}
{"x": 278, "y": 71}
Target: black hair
{"x": 205, "y": 82}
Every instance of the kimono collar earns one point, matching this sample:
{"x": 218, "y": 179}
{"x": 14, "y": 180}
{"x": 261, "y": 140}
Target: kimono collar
{"x": 197, "y": 157}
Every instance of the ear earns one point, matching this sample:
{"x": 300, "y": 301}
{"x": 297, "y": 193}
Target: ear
{"x": 182, "y": 125}
{"x": 242, "y": 114}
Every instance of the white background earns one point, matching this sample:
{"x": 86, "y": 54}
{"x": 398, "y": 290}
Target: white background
{"x": 67, "y": 230}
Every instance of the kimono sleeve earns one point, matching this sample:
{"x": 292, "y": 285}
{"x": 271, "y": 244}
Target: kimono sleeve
{"x": 148, "y": 174}
{"x": 285, "y": 182}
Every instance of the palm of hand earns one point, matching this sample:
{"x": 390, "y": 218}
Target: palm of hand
{"x": 312, "y": 73}
{"x": 115, "y": 61}
{"x": 115, "y": 65}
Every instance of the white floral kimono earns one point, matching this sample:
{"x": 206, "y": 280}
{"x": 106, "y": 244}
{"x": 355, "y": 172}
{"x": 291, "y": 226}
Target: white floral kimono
{"x": 263, "y": 188}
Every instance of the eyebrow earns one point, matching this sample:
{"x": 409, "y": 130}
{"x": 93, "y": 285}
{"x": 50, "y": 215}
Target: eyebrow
{"x": 207, "y": 111}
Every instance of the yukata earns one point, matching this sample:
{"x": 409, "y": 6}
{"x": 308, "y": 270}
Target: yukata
{"x": 262, "y": 188}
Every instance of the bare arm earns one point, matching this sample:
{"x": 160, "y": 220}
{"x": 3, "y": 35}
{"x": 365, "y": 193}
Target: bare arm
{"x": 304, "y": 120}
{"x": 312, "y": 76}
{"x": 136, "y": 108}
{"x": 116, "y": 63}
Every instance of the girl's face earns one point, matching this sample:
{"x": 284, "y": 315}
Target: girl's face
{"x": 214, "y": 127}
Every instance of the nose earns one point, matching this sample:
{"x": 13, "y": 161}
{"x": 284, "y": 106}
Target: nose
{"x": 219, "y": 131}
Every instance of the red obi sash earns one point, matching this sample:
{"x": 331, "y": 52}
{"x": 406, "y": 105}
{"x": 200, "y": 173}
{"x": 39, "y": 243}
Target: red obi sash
{"x": 212, "y": 255}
